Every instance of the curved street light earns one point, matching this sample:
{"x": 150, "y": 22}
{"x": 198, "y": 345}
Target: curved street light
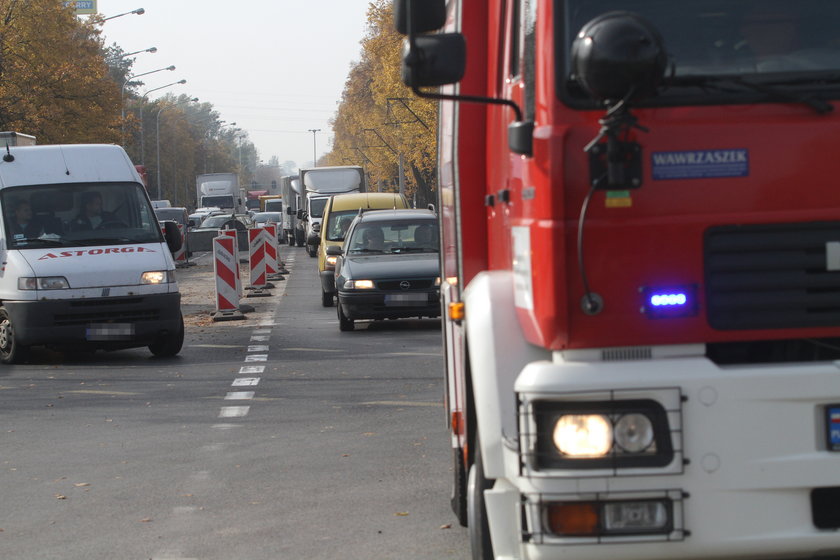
{"x": 142, "y": 136}
{"x": 138, "y": 11}
{"x": 157, "y": 136}
{"x": 122, "y": 92}
{"x": 149, "y": 50}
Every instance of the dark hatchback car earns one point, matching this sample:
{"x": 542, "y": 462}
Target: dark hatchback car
{"x": 388, "y": 267}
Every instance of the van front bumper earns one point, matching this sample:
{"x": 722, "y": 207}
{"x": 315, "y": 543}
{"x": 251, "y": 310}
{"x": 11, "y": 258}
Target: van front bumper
{"x": 119, "y": 322}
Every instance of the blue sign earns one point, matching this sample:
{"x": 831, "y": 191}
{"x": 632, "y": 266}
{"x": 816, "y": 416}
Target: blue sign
{"x": 700, "y": 164}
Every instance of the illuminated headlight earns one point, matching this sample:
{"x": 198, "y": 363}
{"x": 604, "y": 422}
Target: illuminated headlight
{"x": 155, "y": 277}
{"x": 437, "y": 281}
{"x": 43, "y": 283}
{"x": 614, "y": 434}
{"x": 331, "y": 260}
{"x": 358, "y": 285}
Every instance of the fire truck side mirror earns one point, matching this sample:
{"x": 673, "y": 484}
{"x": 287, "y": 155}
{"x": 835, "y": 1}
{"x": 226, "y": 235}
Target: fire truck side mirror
{"x": 435, "y": 60}
{"x": 426, "y": 15}
{"x": 619, "y": 56}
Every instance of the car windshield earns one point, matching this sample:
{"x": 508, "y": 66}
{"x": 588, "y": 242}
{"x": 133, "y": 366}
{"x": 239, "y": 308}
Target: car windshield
{"x": 263, "y": 217}
{"x": 757, "y": 41}
{"x": 215, "y": 221}
{"x": 337, "y": 224}
{"x": 70, "y": 215}
{"x": 398, "y": 236}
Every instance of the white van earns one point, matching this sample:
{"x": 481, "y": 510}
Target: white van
{"x": 82, "y": 257}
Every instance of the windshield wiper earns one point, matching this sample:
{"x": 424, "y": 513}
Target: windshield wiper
{"x": 41, "y": 241}
{"x": 772, "y": 91}
{"x": 107, "y": 241}
{"x": 367, "y": 251}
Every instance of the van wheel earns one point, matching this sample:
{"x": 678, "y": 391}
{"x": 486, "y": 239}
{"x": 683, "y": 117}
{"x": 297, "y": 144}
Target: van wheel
{"x": 344, "y": 323}
{"x": 326, "y": 299}
{"x": 11, "y": 351}
{"x": 478, "y": 528}
{"x": 169, "y": 345}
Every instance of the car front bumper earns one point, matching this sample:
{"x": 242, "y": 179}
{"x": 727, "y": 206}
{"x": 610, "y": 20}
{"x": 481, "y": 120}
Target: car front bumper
{"x": 390, "y": 305}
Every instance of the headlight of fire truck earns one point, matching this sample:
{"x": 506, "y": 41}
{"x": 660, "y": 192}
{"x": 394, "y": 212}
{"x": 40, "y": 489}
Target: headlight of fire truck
{"x": 597, "y": 435}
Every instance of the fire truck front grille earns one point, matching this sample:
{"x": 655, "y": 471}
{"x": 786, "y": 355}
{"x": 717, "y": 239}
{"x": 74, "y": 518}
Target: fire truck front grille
{"x": 773, "y": 276}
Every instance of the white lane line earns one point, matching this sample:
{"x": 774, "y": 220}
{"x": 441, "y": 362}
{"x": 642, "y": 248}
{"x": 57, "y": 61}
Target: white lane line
{"x": 239, "y": 396}
{"x": 259, "y": 338}
{"x": 266, "y": 323}
{"x": 311, "y": 350}
{"x": 225, "y": 426}
{"x": 245, "y": 381}
{"x": 256, "y": 358}
{"x": 262, "y": 331}
{"x": 233, "y": 411}
{"x": 258, "y": 348}
{"x": 251, "y": 369}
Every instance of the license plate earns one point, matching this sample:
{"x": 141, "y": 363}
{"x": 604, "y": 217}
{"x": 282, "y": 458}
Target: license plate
{"x": 109, "y": 331}
{"x": 406, "y": 299}
{"x": 832, "y": 419}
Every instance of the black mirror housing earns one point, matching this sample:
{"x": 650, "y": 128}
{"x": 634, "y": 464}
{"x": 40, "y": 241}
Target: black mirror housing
{"x": 334, "y": 251}
{"x": 435, "y": 60}
{"x": 172, "y": 235}
{"x": 521, "y": 138}
{"x": 426, "y": 15}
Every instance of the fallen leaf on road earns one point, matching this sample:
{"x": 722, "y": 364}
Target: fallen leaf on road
{"x": 146, "y": 520}
{"x": 447, "y": 526}
{"x": 401, "y": 514}
{"x": 60, "y": 497}
{"x": 80, "y": 484}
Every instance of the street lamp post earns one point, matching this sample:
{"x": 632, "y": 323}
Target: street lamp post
{"x": 157, "y": 140}
{"x": 314, "y": 150}
{"x": 142, "y": 102}
{"x": 122, "y": 92}
{"x": 149, "y": 50}
{"x": 138, "y": 11}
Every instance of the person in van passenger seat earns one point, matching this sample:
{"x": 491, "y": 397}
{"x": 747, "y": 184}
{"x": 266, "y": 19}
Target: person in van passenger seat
{"x": 91, "y": 215}
{"x": 21, "y": 223}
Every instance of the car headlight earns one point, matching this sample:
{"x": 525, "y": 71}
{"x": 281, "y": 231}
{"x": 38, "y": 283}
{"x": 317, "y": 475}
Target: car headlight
{"x": 332, "y": 260}
{"x": 156, "y": 277}
{"x": 358, "y": 285}
{"x": 437, "y": 281}
{"x": 43, "y": 283}
{"x": 597, "y": 435}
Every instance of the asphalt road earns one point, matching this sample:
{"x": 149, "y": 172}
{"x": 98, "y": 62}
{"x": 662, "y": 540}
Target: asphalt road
{"x": 270, "y": 438}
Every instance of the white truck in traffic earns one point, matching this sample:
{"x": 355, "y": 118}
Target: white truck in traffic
{"x": 220, "y": 190}
{"x": 320, "y": 183}
{"x": 84, "y": 261}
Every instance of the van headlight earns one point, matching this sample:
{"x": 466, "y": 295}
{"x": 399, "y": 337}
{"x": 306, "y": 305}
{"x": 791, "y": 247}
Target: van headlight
{"x": 597, "y": 435}
{"x": 156, "y": 277}
{"x": 43, "y": 283}
{"x": 331, "y": 260}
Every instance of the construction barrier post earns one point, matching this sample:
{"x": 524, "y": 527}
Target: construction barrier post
{"x": 225, "y": 268}
{"x": 272, "y": 253}
{"x": 257, "y": 263}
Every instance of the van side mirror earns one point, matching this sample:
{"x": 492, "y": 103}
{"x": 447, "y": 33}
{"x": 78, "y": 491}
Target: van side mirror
{"x": 334, "y": 251}
{"x": 172, "y": 235}
{"x": 426, "y": 15}
{"x": 435, "y": 60}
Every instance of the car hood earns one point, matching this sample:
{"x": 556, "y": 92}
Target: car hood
{"x": 417, "y": 265}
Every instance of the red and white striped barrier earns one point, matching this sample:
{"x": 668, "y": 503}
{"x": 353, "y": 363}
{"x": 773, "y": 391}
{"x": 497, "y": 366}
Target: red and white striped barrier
{"x": 257, "y": 257}
{"x": 272, "y": 261}
{"x": 226, "y": 269}
{"x": 232, "y": 234}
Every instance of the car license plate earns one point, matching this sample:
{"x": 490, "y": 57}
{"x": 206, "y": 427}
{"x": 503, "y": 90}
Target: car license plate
{"x": 406, "y": 299}
{"x": 109, "y": 331}
{"x": 832, "y": 418}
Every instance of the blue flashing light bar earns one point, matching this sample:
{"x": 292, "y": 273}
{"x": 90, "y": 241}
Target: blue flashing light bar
{"x": 670, "y": 302}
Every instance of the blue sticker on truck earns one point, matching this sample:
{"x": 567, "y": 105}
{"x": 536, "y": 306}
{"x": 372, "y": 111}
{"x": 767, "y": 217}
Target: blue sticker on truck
{"x": 832, "y": 417}
{"x": 700, "y": 164}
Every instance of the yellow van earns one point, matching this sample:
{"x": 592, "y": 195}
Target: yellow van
{"x": 339, "y": 212}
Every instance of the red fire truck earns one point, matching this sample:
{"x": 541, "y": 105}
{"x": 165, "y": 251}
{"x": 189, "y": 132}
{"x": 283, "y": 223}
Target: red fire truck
{"x": 641, "y": 255}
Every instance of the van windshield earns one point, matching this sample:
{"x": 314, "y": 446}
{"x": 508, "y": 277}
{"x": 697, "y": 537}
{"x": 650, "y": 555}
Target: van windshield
{"x": 316, "y": 207}
{"x": 76, "y": 214}
{"x": 337, "y": 224}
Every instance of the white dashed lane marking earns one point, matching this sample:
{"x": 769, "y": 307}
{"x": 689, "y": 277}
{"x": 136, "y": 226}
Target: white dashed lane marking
{"x": 245, "y": 381}
{"x": 257, "y": 358}
{"x": 239, "y": 395}
{"x": 258, "y": 348}
{"x": 233, "y": 411}
{"x": 251, "y": 369}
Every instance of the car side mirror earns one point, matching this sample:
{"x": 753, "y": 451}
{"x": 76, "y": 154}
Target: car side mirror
{"x": 334, "y": 251}
{"x": 191, "y": 223}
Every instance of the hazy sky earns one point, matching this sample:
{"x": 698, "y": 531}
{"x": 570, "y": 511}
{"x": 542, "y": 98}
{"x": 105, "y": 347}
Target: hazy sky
{"x": 274, "y": 67}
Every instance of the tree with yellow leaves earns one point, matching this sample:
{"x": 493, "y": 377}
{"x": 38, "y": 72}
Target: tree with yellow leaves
{"x": 54, "y": 83}
{"x": 380, "y": 119}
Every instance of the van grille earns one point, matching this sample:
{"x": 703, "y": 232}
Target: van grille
{"x": 117, "y": 310}
{"x": 771, "y": 276}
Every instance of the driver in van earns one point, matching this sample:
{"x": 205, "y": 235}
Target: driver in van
{"x": 22, "y": 225}
{"x": 91, "y": 215}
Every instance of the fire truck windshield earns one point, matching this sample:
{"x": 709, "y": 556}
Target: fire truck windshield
{"x": 792, "y": 44}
